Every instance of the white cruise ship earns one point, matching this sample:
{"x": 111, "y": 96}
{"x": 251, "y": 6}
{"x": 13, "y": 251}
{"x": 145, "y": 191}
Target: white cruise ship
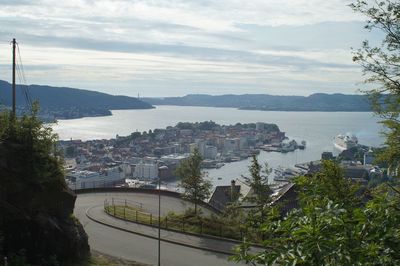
{"x": 345, "y": 142}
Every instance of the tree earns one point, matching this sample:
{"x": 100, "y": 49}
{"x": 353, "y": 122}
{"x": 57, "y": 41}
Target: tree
{"x": 329, "y": 185}
{"x": 192, "y": 180}
{"x": 258, "y": 182}
{"x": 381, "y": 65}
{"x": 259, "y": 195}
{"x": 36, "y": 206}
{"x": 327, "y": 230}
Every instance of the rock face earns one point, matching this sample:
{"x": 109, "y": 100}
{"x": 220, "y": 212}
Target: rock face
{"x": 51, "y": 232}
{"x": 36, "y": 206}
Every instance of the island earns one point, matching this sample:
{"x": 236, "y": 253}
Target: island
{"x": 156, "y": 153}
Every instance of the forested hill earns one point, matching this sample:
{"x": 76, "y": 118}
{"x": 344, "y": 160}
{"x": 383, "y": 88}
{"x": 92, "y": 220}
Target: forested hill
{"x": 64, "y": 102}
{"x": 314, "y": 102}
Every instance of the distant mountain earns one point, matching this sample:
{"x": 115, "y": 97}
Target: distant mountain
{"x": 62, "y": 102}
{"x": 314, "y": 102}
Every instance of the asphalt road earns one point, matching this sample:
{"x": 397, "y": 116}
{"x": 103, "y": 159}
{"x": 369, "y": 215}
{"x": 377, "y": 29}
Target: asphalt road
{"x": 130, "y": 246}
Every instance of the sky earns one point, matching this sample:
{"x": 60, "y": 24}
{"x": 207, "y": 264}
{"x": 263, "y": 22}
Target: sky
{"x": 161, "y": 48}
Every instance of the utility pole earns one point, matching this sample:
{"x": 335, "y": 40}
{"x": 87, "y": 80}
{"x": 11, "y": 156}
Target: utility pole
{"x": 13, "y": 81}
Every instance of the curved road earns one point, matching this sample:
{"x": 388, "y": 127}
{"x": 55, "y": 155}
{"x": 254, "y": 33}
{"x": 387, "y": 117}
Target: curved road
{"x": 134, "y": 247}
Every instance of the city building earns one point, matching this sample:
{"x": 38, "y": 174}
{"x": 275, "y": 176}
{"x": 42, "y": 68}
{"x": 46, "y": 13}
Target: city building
{"x": 231, "y": 144}
{"x": 146, "y": 171}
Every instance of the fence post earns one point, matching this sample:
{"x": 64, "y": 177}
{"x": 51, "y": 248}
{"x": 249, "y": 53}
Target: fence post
{"x": 136, "y": 215}
{"x": 151, "y": 219}
{"x": 114, "y": 209}
{"x": 124, "y": 213}
{"x": 166, "y": 223}
{"x": 183, "y": 224}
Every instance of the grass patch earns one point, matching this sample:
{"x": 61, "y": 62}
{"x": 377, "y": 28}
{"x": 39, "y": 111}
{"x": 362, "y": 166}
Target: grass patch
{"x": 187, "y": 222}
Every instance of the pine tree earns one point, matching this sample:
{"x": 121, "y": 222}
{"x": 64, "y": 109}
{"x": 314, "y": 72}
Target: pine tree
{"x": 192, "y": 180}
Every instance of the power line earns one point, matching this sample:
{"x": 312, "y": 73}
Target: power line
{"x": 23, "y": 86}
{"x": 22, "y": 77}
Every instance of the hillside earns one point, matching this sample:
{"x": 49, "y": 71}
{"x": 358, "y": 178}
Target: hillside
{"x": 314, "y": 102}
{"x": 62, "y": 102}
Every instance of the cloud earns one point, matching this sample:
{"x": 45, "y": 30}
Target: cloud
{"x": 172, "y": 46}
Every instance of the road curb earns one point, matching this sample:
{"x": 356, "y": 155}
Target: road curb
{"x": 153, "y": 237}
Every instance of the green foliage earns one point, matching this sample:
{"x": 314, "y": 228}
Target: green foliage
{"x": 381, "y": 65}
{"x": 185, "y": 125}
{"x": 328, "y": 185}
{"x": 336, "y": 224}
{"x": 29, "y": 162}
{"x": 259, "y": 196}
{"x": 197, "y": 187}
{"x": 135, "y": 135}
{"x": 206, "y": 125}
{"x": 35, "y": 203}
{"x": 258, "y": 182}
{"x": 331, "y": 227}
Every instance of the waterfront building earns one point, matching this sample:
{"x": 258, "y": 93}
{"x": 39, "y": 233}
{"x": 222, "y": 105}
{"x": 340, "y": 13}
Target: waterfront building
{"x": 210, "y": 152}
{"x": 243, "y": 143}
{"x": 146, "y": 171}
{"x": 231, "y": 144}
{"x": 174, "y": 158}
{"x": 201, "y": 146}
{"x": 84, "y": 179}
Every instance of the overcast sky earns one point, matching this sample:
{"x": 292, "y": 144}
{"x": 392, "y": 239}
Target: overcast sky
{"x": 179, "y": 47}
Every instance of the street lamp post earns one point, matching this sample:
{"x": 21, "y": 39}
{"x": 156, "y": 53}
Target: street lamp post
{"x": 159, "y": 218}
{"x": 159, "y": 212}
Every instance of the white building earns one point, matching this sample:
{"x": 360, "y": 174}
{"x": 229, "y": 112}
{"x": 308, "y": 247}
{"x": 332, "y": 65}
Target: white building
{"x": 174, "y": 158}
{"x": 210, "y": 152}
{"x": 243, "y": 143}
{"x": 201, "y": 145}
{"x": 88, "y": 179}
{"x": 231, "y": 144}
{"x": 146, "y": 171}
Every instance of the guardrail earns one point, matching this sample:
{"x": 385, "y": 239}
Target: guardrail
{"x": 143, "y": 190}
{"x": 134, "y": 212}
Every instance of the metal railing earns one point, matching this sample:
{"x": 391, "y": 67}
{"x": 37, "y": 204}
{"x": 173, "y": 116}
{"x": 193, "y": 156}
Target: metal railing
{"x": 193, "y": 224}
